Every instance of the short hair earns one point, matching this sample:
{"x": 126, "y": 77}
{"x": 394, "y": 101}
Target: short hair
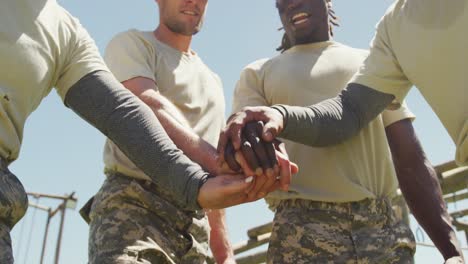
{"x": 333, "y": 21}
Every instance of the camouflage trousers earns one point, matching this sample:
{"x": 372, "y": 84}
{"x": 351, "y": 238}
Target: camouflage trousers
{"x": 360, "y": 232}
{"x": 131, "y": 223}
{"x": 13, "y": 206}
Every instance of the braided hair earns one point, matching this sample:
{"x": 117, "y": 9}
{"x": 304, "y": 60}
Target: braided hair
{"x": 333, "y": 19}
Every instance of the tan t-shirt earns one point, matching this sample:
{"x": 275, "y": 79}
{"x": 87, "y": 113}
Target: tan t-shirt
{"x": 41, "y": 46}
{"x": 181, "y": 77}
{"x": 424, "y": 43}
{"x": 306, "y": 74}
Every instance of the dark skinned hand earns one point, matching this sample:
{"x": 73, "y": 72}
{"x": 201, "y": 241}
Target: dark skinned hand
{"x": 261, "y": 158}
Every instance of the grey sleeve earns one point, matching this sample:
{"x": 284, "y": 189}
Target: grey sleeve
{"x": 102, "y": 101}
{"x": 334, "y": 120}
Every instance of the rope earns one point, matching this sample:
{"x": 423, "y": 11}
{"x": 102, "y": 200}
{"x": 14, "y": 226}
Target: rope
{"x": 31, "y": 231}
{"x": 20, "y": 239}
{"x": 432, "y": 246}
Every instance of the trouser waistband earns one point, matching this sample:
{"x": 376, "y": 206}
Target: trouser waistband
{"x": 368, "y": 206}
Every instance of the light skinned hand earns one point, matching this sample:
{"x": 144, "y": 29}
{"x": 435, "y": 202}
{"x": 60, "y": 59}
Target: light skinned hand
{"x": 264, "y": 184}
{"x": 224, "y": 190}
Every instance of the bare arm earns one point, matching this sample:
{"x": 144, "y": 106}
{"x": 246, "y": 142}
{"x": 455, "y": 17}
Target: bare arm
{"x": 420, "y": 187}
{"x": 175, "y": 124}
{"x": 192, "y": 145}
{"x": 219, "y": 242}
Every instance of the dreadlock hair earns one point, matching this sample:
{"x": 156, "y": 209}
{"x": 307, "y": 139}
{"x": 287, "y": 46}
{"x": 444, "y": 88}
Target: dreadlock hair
{"x": 332, "y": 18}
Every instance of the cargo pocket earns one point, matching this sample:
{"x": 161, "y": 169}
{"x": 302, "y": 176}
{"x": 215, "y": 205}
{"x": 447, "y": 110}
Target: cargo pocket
{"x": 13, "y": 199}
{"x": 146, "y": 252}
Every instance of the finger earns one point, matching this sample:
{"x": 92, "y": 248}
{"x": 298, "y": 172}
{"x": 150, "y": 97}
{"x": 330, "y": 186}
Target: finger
{"x": 271, "y": 156}
{"x": 222, "y": 141}
{"x": 275, "y": 186}
{"x": 270, "y": 131}
{"x": 235, "y": 134}
{"x": 256, "y": 191}
{"x": 252, "y": 132}
{"x": 230, "y": 158}
{"x": 285, "y": 171}
{"x": 269, "y": 148}
{"x": 234, "y": 184}
{"x": 252, "y": 186}
{"x": 250, "y": 157}
{"x": 294, "y": 168}
{"x": 244, "y": 164}
{"x": 235, "y": 192}
{"x": 269, "y": 183}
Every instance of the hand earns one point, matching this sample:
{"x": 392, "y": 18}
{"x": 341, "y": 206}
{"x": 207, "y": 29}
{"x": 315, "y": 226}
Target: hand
{"x": 224, "y": 190}
{"x": 256, "y": 156}
{"x": 455, "y": 260}
{"x": 224, "y": 168}
{"x": 264, "y": 184}
{"x": 232, "y": 132}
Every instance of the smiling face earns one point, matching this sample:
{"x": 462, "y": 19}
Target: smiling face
{"x": 182, "y": 16}
{"x": 305, "y": 21}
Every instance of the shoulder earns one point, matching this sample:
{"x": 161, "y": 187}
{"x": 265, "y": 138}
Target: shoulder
{"x": 348, "y": 55}
{"x": 258, "y": 64}
{"x": 131, "y": 40}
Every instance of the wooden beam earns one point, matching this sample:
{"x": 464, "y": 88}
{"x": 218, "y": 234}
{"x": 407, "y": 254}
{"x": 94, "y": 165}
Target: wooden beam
{"x": 454, "y": 180}
{"x": 251, "y": 243}
{"x": 259, "y": 230}
{"x": 458, "y": 214}
{"x": 255, "y": 258}
{"x": 446, "y": 166}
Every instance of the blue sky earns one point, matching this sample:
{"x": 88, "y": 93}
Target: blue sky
{"x": 61, "y": 153}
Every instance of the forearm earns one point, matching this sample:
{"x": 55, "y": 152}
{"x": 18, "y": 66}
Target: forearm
{"x": 106, "y": 104}
{"x": 219, "y": 242}
{"x": 423, "y": 195}
{"x": 186, "y": 140}
{"x": 334, "y": 120}
{"x": 420, "y": 187}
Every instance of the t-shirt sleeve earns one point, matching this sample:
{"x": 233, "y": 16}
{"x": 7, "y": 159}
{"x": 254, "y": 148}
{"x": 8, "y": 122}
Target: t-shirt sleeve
{"x": 392, "y": 116}
{"x": 129, "y": 55}
{"x": 249, "y": 89}
{"x": 381, "y": 70}
{"x": 81, "y": 57}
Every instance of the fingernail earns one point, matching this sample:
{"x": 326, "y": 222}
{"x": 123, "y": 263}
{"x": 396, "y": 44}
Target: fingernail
{"x": 259, "y": 171}
{"x": 249, "y": 179}
{"x": 260, "y": 194}
{"x": 276, "y": 167}
{"x": 270, "y": 172}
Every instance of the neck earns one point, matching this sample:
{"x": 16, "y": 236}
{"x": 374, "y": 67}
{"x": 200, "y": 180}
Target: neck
{"x": 177, "y": 41}
{"x": 319, "y": 35}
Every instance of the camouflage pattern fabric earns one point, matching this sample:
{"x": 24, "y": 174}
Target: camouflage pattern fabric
{"x": 131, "y": 223}
{"x": 13, "y": 206}
{"x": 352, "y": 233}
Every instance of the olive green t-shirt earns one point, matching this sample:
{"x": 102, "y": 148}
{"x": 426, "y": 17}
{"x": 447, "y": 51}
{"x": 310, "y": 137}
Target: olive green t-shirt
{"x": 359, "y": 168}
{"x": 41, "y": 46}
{"x": 424, "y": 43}
{"x": 181, "y": 77}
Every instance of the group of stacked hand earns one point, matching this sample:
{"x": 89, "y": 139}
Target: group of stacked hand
{"x": 248, "y": 147}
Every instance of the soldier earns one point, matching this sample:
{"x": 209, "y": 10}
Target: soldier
{"x": 43, "y": 46}
{"x": 338, "y": 206}
{"x": 132, "y": 219}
